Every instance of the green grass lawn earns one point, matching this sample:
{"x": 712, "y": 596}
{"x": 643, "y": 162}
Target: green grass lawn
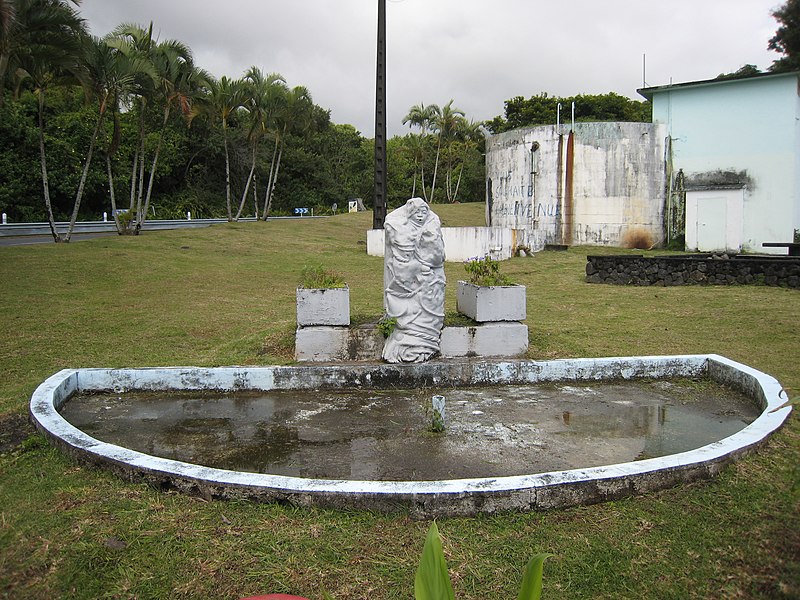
{"x": 225, "y": 295}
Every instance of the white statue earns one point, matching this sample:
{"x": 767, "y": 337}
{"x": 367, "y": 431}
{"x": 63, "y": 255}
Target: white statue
{"x": 414, "y": 282}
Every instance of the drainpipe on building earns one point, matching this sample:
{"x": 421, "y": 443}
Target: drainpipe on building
{"x": 534, "y": 148}
{"x": 560, "y": 189}
{"x": 568, "y": 193}
{"x": 669, "y": 190}
{"x": 572, "y": 128}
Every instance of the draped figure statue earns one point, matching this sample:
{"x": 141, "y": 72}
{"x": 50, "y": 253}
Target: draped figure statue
{"x": 414, "y": 282}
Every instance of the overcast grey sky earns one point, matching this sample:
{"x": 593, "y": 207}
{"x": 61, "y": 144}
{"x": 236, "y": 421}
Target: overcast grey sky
{"x": 476, "y": 52}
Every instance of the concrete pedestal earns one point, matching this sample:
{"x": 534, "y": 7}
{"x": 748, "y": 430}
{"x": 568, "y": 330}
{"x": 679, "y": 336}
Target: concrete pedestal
{"x": 490, "y": 339}
{"x": 330, "y": 344}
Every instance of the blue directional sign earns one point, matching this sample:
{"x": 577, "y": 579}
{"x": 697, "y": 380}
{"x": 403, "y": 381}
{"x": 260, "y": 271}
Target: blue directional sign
{"x": 301, "y": 211}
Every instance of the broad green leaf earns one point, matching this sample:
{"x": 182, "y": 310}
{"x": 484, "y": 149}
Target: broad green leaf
{"x": 432, "y": 581}
{"x": 531, "y": 588}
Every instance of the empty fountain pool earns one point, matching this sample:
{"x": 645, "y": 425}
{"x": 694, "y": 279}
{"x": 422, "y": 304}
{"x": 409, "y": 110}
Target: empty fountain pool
{"x": 520, "y": 435}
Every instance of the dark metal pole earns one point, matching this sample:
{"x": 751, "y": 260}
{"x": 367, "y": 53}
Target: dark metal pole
{"x": 379, "y": 204}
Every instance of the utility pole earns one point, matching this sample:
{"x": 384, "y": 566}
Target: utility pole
{"x": 379, "y": 204}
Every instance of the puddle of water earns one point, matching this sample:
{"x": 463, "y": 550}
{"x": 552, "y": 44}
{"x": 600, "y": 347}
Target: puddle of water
{"x": 383, "y": 434}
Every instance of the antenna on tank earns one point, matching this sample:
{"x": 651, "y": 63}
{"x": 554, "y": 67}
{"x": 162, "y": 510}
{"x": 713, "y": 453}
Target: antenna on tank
{"x": 644, "y": 70}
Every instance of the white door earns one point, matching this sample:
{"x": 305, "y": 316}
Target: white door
{"x": 714, "y": 220}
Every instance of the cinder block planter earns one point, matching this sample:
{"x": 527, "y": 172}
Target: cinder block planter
{"x": 327, "y": 306}
{"x": 488, "y": 304}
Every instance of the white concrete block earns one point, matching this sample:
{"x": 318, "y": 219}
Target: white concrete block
{"x": 489, "y": 304}
{"x": 491, "y": 339}
{"x": 322, "y": 344}
{"x": 329, "y": 306}
{"x": 318, "y": 344}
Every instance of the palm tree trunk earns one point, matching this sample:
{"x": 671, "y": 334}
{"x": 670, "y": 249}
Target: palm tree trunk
{"x": 227, "y": 172}
{"x": 255, "y": 197}
{"x": 133, "y": 176}
{"x": 247, "y": 185}
{"x": 458, "y": 182}
{"x": 422, "y": 179}
{"x": 137, "y": 180}
{"x": 45, "y": 184}
{"x": 140, "y": 182}
{"x": 265, "y": 214}
{"x": 435, "y": 167}
{"x": 82, "y": 183}
{"x": 114, "y": 214}
{"x": 449, "y": 179}
{"x": 274, "y": 181}
{"x": 143, "y": 216}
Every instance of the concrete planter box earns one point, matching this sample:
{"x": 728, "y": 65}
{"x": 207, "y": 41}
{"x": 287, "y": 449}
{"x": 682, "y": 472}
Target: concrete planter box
{"x": 327, "y": 306}
{"x": 488, "y": 304}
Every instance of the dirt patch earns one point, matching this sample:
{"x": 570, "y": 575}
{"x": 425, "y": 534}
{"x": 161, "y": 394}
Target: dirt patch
{"x": 14, "y": 429}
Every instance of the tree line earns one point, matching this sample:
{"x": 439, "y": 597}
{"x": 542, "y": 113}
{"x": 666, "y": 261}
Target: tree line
{"x": 128, "y": 124}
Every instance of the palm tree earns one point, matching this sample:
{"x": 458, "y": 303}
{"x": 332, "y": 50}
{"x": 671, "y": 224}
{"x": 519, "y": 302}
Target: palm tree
{"x": 35, "y": 29}
{"x": 7, "y": 18}
{"x": 415, "y": 148}
{"x": 134, "y": 41}
{"x": 470, "y": 134}
{"x": 111, "y": 76}
{"x": 96, "y": 70}
{"x": 264, "y": 95}
{"x": 48, "y": 58}
{"x": 177, "y": 83}
{"x": 423, "y": 117}
{"x": 225, "y": 96}
{"x": 294, "y": 114}
{"x": 446, "y": 124}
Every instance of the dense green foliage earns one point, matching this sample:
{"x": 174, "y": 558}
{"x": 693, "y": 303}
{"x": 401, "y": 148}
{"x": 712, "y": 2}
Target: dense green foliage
{"x": 543, "y": 110}
{"x": 131, "y": 123}
{"x": 787, "y": 38}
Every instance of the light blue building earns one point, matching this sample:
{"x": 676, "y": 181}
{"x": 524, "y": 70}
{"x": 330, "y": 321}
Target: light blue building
{"x": 733, "y": 160}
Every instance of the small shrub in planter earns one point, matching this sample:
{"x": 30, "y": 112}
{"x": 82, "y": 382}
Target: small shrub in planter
{"x": 323, "y": 298}
{"x": 489, "y": 295}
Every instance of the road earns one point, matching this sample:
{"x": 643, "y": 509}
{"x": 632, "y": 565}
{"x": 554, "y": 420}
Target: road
{"x": 21, "y": 234}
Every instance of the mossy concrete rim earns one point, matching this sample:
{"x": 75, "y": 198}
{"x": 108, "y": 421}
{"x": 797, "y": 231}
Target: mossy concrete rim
{"x": 422, "y": 498}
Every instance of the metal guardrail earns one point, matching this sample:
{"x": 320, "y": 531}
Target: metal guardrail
{"x": 25, "y": 229}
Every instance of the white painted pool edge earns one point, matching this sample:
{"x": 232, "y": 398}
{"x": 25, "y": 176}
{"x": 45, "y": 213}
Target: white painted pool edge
{"x": 52, "y": 392}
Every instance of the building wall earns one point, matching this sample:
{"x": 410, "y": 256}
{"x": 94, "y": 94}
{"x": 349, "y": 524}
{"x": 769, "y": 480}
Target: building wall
{"x": 748, "y": 128}
{"x": 597, "y": 185}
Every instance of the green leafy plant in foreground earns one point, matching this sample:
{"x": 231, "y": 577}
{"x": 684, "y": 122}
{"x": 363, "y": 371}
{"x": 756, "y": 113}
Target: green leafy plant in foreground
{"x": 432, "y": 581}
{"x": 318, "y": 277}
{"x": 485, "y": 272}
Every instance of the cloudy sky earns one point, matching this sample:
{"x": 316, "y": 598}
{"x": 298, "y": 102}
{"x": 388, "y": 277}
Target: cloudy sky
{"x": 476, "y": 52}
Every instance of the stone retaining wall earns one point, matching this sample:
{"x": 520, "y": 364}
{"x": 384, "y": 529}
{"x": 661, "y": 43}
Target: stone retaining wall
{"x": 695, "y": 269}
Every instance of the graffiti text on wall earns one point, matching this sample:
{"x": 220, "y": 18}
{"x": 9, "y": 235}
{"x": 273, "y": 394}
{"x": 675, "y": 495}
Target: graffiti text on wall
{"x": 526, "y": 211}
{"x": 516, "y": 200}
